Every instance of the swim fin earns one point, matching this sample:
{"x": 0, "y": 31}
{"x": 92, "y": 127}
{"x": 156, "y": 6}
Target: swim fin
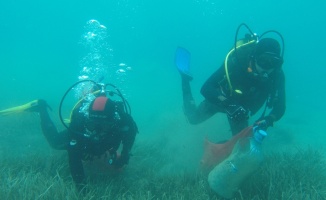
{"x": 182, "y": 61}
{"x": 30, "y": 106}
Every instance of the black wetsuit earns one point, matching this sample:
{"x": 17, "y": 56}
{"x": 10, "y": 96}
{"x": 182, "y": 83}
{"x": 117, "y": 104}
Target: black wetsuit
{"x": 255, "y": 91}
{"x": 81, "y": 146}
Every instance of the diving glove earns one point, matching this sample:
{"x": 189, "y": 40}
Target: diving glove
{"x": 113, "y": 157}
{"x": 121, "y": 161}
{"x": 117, "y": 160}
{"x": 264, "y": 123}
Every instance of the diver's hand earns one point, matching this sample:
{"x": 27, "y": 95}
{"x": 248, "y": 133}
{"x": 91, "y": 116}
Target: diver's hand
{"x": 121, "y": 161}
{"x": 113, "y": 157}
{"x": 264, "y": 123}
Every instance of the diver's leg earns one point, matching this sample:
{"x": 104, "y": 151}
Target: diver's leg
{"x": 56, "y": 140}
{"x": 189, "y": 104}
{"x": 194, "y": 114}
{"x": 204, "y": 111}
{"x": 236, "y": 127}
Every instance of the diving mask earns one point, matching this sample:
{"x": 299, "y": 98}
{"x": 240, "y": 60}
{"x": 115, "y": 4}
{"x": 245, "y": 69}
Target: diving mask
{"x": 269, "y": 60}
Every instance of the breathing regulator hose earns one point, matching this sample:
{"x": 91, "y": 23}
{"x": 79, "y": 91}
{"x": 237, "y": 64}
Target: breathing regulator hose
{"x": 249, "y": 39}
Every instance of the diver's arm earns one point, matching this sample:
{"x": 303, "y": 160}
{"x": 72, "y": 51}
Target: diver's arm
{"x": 279, "y": 104}
{"x": 76, "y": 166}
{"x": 76, "y": 147}
{"x": 128, "y": 132}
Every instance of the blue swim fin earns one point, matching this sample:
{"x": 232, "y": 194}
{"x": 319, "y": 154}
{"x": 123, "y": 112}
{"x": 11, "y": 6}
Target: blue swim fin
{"x": 182, "y": 61}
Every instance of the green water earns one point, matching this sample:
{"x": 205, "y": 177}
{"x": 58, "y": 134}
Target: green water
{"x": 40, "y": 56}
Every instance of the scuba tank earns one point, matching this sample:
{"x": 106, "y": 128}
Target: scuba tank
{"x": 98, "y": 89}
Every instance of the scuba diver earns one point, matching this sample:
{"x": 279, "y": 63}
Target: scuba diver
{"x": 250, "y": 76}
{"x": 97, "y": 127}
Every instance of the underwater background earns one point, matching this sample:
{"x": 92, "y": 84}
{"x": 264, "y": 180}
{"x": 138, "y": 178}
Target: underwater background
{"x": 42, "y": 49}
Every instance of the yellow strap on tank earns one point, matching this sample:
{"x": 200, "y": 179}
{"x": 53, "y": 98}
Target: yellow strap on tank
{"x": 80, "y": 100}
{"x": 226, "y": 63}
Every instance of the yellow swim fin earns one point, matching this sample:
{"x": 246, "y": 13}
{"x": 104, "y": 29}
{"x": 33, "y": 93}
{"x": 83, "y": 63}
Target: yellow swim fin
{"x": 19, "y": 109}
